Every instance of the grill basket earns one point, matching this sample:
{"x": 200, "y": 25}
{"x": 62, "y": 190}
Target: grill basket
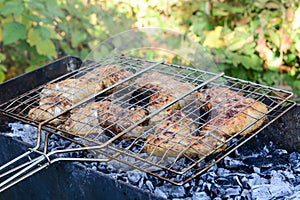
{"x": 133, "y": 126}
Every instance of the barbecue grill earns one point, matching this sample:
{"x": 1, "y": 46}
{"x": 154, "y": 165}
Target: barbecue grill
{"x": 108, "y": 145}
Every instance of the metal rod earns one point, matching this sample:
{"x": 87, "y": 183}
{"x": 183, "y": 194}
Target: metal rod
{"x": 14, "y": 179}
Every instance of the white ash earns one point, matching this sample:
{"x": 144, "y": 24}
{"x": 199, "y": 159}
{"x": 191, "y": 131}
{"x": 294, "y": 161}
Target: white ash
{"x": 24, "y": 132}
{"x": 267, "y": 173}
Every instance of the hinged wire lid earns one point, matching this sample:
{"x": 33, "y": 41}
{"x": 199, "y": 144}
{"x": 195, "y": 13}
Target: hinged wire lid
{"x": 156, "y": 117}
{"x": 168, "y": 120}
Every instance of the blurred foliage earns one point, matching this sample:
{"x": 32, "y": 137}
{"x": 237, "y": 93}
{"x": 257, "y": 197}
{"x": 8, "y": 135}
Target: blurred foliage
{"x": 257, "y": 40}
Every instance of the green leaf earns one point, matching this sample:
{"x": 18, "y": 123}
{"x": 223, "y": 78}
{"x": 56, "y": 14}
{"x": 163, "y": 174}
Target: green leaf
{"x": 77, "y": 37}
{"x": 32, "y": 17}
{"x": 33, "y": 37}
{"x": 248, "y": 49}
{"x": 37, "y": 5}
{"x": 2, "y": 57}
{"x": 29, "y": 69}
{"x": 44, "y": 32}
{"x": 2, "y": 76}
{"x": 256, "y": 63}
{"x": 251, "y": 62}
{"x": 3, "y": 68}
{"x": 274, "y": 37}
{"x": 53, "y": 10}
{"x": 12, "y": 7}
{"x": 46, "y": 48}
{"x": 245, "y": 60}
{"x": 13, "y": 31}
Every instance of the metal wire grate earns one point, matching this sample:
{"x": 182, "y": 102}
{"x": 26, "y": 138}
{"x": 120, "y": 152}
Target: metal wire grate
{"x": 171, "y": 121}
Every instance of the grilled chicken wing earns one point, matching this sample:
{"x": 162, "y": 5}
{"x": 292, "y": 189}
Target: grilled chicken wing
{"x": 174, "y": 135}
{"x": 107, "y": 76}
{"x": 117, "y": 119}
{"x": 84, "y": 121}
{"x": 57, "y": 97}
{"x": 171, "y": 142}
{"x": 47, "y": 111}
{"x": 230, "y": 112}
{"x": 163, "y": 90}
{"x": 72, "y": 90}
{"x": 174, "y": 117}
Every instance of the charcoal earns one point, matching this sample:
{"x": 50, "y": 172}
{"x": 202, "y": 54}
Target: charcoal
{"x": 255, "y": 179}
{"x": 223, "y": 172}
{"x": 201, "y": 195}
{"x": 51, "y": 145}
{"x": 63, "y": 144}
{"x": 246, "y": 194}
{"x": 259, "y": 173}
{"x": 280, "y": 152}
{"x": 111, "y": 169}
{"x": 218, "y": 198}
{"x": 102, "y": 167}
{"x": 295, "y": 196}
{"x": 53, "y": 137}
{"x": 74, "y": 154}
{"x": 294, "y": 160}
{"x": 216, "y": 191}
{"x": 222, "y": 181}
{"x": 149, "y": 185}
{"x": 244, "y": 182}
{"x": 174, "y": 192}
{"x": 90, "y": 155}
{"x": 231, "y": 163}
{"x": 141, "y": 182}
{"x": 277, "y": 188}
{"x": 134, "y": 176}
{"x": 297, "y": 188}
{"x": 160, "y": 193}
{"x": 232, "y": 191}
{"x": 289, "y": 175}
{"x": 206, "y": 187}
{"x": 121, "y": 177}
{"x": 256, "y": 169}
{"x": 187, "y": 185}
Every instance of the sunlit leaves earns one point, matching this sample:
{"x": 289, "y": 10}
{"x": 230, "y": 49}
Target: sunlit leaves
{"x": 13, "y": 31}
{"x": 46, "y": 47}
{"x": 12, "y": 7}
{"x": 252, "y": 62}
{"x": 77, "y": 37}
{"x": 33, "y": 37}
{"x": 213, "y": 38}
{"x": 296, "y": 19}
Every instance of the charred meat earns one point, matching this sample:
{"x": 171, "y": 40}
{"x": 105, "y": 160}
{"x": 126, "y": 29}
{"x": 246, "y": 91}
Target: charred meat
{"x": 231, "y": 112}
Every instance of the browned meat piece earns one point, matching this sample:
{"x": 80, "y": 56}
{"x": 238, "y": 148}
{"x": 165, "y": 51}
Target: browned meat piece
{"x": 174, "y": 118}
{"x": 57, "y": 97}
{"x": 164, "y": 89}
{"x": 230, "y": 112}
{"x": 117, "y": 119}
{"x": 84, "y": 121}
{"x": 47, "y": 111}
{"x": 174, "y": 135}
{"x": 71, "y": 90}
{"x": 171, "y": 142}
{"x": 106, "y": 76}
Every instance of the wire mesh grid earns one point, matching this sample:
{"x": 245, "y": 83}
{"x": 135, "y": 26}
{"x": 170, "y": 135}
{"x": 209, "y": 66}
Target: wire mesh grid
{"x": 164, "y": 119}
